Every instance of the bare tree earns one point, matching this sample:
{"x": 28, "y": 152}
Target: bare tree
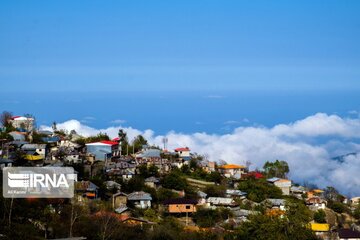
{"x": 5, "y": 117}
{"x": 108, "y": 225}
{"x": 77, "y": 211}
{"x": 30, "y": 123}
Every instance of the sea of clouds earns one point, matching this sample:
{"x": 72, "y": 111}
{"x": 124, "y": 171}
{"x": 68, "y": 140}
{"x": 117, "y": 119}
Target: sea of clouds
{"x": 308, "y": 145}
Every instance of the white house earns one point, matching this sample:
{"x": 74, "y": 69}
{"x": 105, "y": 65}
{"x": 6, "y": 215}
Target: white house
{"x": 184, "y": 153}
{"x": 283, "y": 184}
{"x": 19, "y": 122}
{"x": 140, "y": 199}
{"x": 232, "y": 170}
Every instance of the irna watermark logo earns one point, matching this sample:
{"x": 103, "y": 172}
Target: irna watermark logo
{"x": 38, "y": 182}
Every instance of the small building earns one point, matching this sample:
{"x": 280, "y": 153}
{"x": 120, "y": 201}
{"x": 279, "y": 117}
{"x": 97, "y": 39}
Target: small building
{"x": 297, "y": 191}
{"x": 184, "y": 153}
{"x": 102, "y": 150}
{"x": 316, "y": 203}
{"x": 274, "y": 203}
{"x": 180, "y": 205}
{"x": 235, "y": 193}
{"x": 202, "y": 197}
{"x": 283, "y": 184}
{"x": 22, "y": 123}
{"x": 152, "y": 182}
{"x": 119, "y": 200}
{"x": 112, "y": 185}
{"x": 232, "y": 170}
{"x": 140, "y": 199}
{"x": 17, "y": 136}
{"x": 6, "y": 163}
{"x": 35, "y": 149}
{"x": 221, "y": 201}
{"x": 347, "y": 234}
{"x": 86, "y": 190}
{"x": 355, "y": 201}
{"x": 320, "y": 229}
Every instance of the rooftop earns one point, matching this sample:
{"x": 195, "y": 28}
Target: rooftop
{"x": 135, "y": 196}
{"x": 182, "y": 149}
{"x": 232, "y": 166}
{"x": 320, "y": 227}
{"x": 179, "y": 201}
{"x": 348, "y": 234}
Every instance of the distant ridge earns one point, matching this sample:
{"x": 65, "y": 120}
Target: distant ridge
{"x": 341, "y": 158}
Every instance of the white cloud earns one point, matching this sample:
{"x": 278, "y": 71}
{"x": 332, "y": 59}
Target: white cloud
{"x": 309, "y": 159}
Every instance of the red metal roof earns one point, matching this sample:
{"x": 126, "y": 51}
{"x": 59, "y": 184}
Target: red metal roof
{"x": 256, "y": 175}
{"x": 109, "y": 142}
{"x": 182, "y": 149}
{"x": 14, "y": 117}
{"x": 116, "y": 139}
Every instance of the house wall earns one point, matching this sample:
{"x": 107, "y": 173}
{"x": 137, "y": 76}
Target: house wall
{"x": 27, "y": 124}
{"x": 181, "y": 208}
{"x": 143, "y": 204}
{"x": 73, "y": 158}
{"x": 284, "y": 186}
{"x": 99, "y": 151}
{"x": 120, "y": 201}
{"x": 184, "y": 153}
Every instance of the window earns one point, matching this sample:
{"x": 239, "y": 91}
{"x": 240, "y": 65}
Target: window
{"x": 188, "y": 207}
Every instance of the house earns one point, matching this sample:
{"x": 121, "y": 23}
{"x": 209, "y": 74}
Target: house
{"x": 111, "y": 185}
{"x": 315, "y": 192}
{"x": 232, "y": 170}
{"x": 274, "y": 203}
{"x": 297, "y": 191}
{"x": 51, "y": 139}
{"x": 152, "y": 182}
{"x": 86, "y": 190}
{"x": 34, "y": 149}
{"x": 347, "y": 234}
{"x": 180, "y": 205}
{"x": 184, "y": 153}
{"x": 153, "y": 157}
{"x": 207, "y": 166}
{"x": 321, "y": 229}
{"x": 202, "y": 197}
{"x": 252, "y": 174}
{"x": 221, "y": 201}
{"x": 131, "y": 221}
{"x": 235, "y": 193}
{"x": 17, "y": 136}
{"x": 316, "y": 203}
{"x": 102, "y": 150}
{"x": 119, "y": 200}
{"x": 148, "y": 155}
{"x": 283, "y": 184}
{"x": 73, "y": 157}
{"x": 355, "y": 201}
{"x": 22, "y": 123}
{"x": 140, "y": 199}
{"x": 5, "y": 163}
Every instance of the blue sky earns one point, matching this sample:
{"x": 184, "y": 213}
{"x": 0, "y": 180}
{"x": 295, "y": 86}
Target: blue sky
{"x": 180, "y": 45}
{"x": 207, "y": 65}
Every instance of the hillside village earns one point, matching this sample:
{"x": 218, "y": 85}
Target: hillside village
{"x": 128, "y": 190}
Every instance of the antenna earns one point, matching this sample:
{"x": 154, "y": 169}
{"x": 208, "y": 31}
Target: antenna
{"x": 165, "y": 141}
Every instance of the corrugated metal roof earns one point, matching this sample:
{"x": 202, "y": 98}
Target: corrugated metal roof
{"x": 136, "y": 196}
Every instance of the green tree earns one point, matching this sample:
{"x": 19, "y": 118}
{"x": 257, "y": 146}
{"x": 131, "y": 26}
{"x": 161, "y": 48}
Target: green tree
{"x": 276, "y": 169}
{"x": 320, "y": 216}
{"x": 174, "y": 180}
{"x": 258, "y": 189}
{"x": 215, "y": 190}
